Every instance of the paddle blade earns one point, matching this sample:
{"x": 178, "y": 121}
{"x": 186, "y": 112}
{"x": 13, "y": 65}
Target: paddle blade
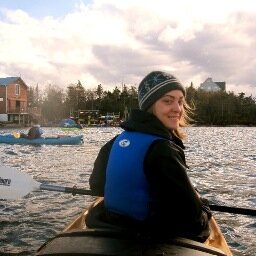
{"x": 15, "y": 184}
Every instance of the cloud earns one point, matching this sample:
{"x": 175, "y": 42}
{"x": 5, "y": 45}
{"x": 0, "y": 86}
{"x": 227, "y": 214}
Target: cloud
{"x": 115, "y": 42}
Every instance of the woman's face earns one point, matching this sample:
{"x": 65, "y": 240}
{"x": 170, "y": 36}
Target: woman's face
{"x": 169, "y": 108}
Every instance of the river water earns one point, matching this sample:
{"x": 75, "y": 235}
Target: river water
{"x": 222, "y": 164}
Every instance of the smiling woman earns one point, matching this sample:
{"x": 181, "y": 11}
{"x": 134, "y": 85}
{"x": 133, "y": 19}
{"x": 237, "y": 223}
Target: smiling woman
{"x": 153, "y": 160}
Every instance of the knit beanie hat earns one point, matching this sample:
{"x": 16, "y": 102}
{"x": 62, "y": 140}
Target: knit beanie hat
{"x": 154, "y": 86}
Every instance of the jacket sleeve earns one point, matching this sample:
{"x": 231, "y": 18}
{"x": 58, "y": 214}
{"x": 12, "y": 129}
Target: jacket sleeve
{"x": 179, "y": 203}
{"x": 98, "y": 176}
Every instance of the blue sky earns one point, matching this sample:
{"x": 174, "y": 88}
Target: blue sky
{"x": 111, "y": 42}
{"x": 42, "y": 8}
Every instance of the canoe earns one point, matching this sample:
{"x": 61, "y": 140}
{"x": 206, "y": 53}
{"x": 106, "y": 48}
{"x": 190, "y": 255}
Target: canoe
{"x": 60, "y": 140}
{"x": 77, "y": 239}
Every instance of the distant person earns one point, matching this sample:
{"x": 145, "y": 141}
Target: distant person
{"x": 34, "y": 132}
{"x": 78, "y": 124}
{"x": 142, "y": 172}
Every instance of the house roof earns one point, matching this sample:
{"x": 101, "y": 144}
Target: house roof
{"x": 7, "y": 80}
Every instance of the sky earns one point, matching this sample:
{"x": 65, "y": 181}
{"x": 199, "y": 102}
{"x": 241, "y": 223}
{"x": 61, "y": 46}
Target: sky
{"x": 115, "y": 42}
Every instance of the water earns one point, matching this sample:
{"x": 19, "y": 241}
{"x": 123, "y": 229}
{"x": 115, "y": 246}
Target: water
{"x": 222, "y": 165}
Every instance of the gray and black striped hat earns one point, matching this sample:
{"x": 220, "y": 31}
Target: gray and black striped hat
{"x": 154, "y": 86}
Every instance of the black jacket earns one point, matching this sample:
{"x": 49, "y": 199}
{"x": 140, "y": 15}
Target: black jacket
{"x": 179, "y": 210}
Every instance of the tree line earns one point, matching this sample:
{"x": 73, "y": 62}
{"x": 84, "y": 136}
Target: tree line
{"x": 210, "y": 108}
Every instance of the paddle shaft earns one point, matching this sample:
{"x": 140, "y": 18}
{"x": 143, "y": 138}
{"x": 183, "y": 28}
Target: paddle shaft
{"x": 72, "y": 190}
{"x": 236, "y": 210}
{"x": 213, "y": 207}
{"x": 14, "y": 184}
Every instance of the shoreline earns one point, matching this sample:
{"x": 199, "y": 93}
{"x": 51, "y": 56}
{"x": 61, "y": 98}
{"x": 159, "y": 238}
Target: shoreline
{"x": 14, "y": 125}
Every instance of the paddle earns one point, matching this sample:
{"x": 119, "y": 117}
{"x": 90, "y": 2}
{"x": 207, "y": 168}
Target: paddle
{"x": 15, "y": 184}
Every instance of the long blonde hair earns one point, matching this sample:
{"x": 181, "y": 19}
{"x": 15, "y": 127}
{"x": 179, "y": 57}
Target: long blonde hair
{"x": 185, "y": 121}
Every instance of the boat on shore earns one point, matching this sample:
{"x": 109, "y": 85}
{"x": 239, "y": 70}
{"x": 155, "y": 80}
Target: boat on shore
{"x": 77, "y": 239}
{"x": 58, "y": 140}
{"x": 71, "y": 128}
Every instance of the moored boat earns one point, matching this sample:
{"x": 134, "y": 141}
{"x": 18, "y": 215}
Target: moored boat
{"x": 71, "y": 128}
{"x": 77, "y": 239}
{"x": 58, "y": 140}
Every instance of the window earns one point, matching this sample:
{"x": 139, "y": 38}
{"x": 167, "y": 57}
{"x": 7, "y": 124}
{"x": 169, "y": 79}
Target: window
{"x": 17, "y": 89}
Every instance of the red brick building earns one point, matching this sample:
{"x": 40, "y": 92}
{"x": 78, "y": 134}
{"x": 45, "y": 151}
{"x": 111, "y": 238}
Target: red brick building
{"x": 13, "y": 100}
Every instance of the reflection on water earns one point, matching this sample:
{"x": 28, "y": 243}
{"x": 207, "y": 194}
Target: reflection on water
{"x": 222, "y": 165}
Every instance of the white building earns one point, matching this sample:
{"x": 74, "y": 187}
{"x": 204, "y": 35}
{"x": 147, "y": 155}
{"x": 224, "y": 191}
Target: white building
{"x": 209, "y": 86}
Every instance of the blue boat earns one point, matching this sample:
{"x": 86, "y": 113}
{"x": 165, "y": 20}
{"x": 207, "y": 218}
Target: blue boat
{"x": 58, "y": 140}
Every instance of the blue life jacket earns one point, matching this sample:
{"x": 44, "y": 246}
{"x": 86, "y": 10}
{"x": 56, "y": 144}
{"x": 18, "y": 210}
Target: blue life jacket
{"x": 126, "y": 188}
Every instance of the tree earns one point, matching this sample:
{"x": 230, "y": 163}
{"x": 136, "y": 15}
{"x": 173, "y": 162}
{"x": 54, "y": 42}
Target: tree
{"x": 76, "y": 97}
{"x": 53, "y": 106}
{"x": 99, "y": 92}
{"x": 211, "y": 108}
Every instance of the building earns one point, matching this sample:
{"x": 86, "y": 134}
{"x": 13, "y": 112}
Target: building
{"x": 209, "y": 86}
{"x": 13, "y": 100}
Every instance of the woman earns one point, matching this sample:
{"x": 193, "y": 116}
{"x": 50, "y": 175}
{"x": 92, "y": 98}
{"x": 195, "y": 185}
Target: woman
{"x": 142, "y": 172}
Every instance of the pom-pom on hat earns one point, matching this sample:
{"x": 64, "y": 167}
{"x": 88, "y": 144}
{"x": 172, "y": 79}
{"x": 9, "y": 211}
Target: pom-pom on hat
{"x": 154, "y": 86}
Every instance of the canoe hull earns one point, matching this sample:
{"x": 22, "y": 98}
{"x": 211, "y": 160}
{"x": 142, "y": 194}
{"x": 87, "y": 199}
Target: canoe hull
{"x": 65, "y": 140}
{"x": 76, "y": 239}
{"x": 105, "y": 242}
